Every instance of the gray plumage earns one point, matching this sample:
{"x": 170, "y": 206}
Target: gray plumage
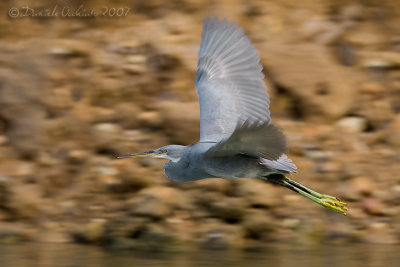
{"x": 237, "y": 138}
{"x": 228, "y": 81}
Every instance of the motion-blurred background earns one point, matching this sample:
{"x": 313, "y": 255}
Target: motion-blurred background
{"x": 75, "y": 92}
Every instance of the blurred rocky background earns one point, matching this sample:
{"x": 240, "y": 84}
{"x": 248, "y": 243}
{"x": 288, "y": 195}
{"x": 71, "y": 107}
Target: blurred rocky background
{"x": 76, "y": 92}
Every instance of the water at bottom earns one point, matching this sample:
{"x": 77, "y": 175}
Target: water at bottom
{"x": 277, "y": 255}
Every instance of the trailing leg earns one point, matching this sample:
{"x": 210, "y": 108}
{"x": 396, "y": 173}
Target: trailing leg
{"x": 326, "y": 201}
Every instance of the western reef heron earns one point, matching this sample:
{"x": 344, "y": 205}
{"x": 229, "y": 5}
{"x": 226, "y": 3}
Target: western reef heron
{"x": 237, "y": 138}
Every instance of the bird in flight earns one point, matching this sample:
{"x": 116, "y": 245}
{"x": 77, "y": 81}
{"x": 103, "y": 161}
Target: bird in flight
{"x": 237, "y": 138}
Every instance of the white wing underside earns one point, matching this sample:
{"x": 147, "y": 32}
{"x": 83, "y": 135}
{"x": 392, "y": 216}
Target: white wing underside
{"x": 234, "y": 104}
{"x": 228, "y": 81}
{"x": 282, "y": 164}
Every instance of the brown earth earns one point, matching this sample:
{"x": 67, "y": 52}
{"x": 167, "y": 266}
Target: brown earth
{"x": 76, "y": 92}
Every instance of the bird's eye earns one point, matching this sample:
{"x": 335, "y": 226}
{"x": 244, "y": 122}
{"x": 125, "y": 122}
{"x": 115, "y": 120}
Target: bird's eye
{"x": 164, "y": 151}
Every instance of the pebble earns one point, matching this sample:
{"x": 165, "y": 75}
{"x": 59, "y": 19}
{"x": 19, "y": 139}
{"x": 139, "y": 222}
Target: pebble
{"x": 91, "y": 232}
{"x": 362, "y": 185}
{"x": 353, "y": 12}
{"x": 221, "y": 237}
{"x": 352, "y": 124}
{"x": 373, "y": 88}
{"x": 373, "y": 206}
{"x": 367, "y": 34}
{"x": 291, "y": 223}
{"x": 224, "y": 186}
{"x": 229, "y": 209}
{"x": 126, "y": 115}
{"x": 106, "y": 127}
{"x": 24, "y": 169}
{"x": 3, "y": 140}
{"x": 358, "y": 187}
{"x": 379, "y": 225}
{"x": 258, "y": 225}
{"x": 258, "y": 193}
{"x": 106, "y": 135}
{"x": 77, "y": 155}
{"x": 377, "y": 64}
{"x": 111, "y": 183}
{"x": 14, "y": 233}
{"x": 328, "y": 167}
{"x": 136, "y": 59}
{"x": 291, "y": 198}
{"x": 154, "y": 202}
{"x": 150, "y": 118}
{"x": 135, "y": 69}
{"x": 394, "y": 135}
{"x": 381, "y": 236}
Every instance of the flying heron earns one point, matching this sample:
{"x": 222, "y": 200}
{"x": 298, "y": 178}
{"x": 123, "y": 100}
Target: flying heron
{"x": 237, "y": 138}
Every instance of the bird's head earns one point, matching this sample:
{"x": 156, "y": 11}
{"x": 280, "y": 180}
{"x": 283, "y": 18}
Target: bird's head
{"x": 170, "y": 152}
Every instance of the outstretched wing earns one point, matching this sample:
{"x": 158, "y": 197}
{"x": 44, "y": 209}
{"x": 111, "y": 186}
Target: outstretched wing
{"x": 261, "y": 141}
{"x": 228, "y": 81}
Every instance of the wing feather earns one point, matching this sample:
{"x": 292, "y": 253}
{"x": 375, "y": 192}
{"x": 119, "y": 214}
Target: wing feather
{"x": 261, "y": 141}
{"x": 228, "y": 81}
{"x": 283, "y": 164}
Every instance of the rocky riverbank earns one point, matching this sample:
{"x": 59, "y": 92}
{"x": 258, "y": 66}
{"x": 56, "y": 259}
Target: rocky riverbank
{"x": 75, "y": 93}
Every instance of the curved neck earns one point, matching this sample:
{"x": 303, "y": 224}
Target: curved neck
{"x": 187, "y": 169}
{"x": 177, "y": 171}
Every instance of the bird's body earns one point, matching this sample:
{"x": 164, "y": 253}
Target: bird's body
{"x": 236, "y": 166}
{"x": 237, "y": 138}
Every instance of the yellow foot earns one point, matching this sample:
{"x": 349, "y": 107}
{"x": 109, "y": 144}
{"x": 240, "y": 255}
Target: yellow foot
{"x": 334, "y": 204}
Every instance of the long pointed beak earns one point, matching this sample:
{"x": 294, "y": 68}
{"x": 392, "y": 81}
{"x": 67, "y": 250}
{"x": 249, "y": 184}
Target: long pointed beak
{"x": 149, "y": 153}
